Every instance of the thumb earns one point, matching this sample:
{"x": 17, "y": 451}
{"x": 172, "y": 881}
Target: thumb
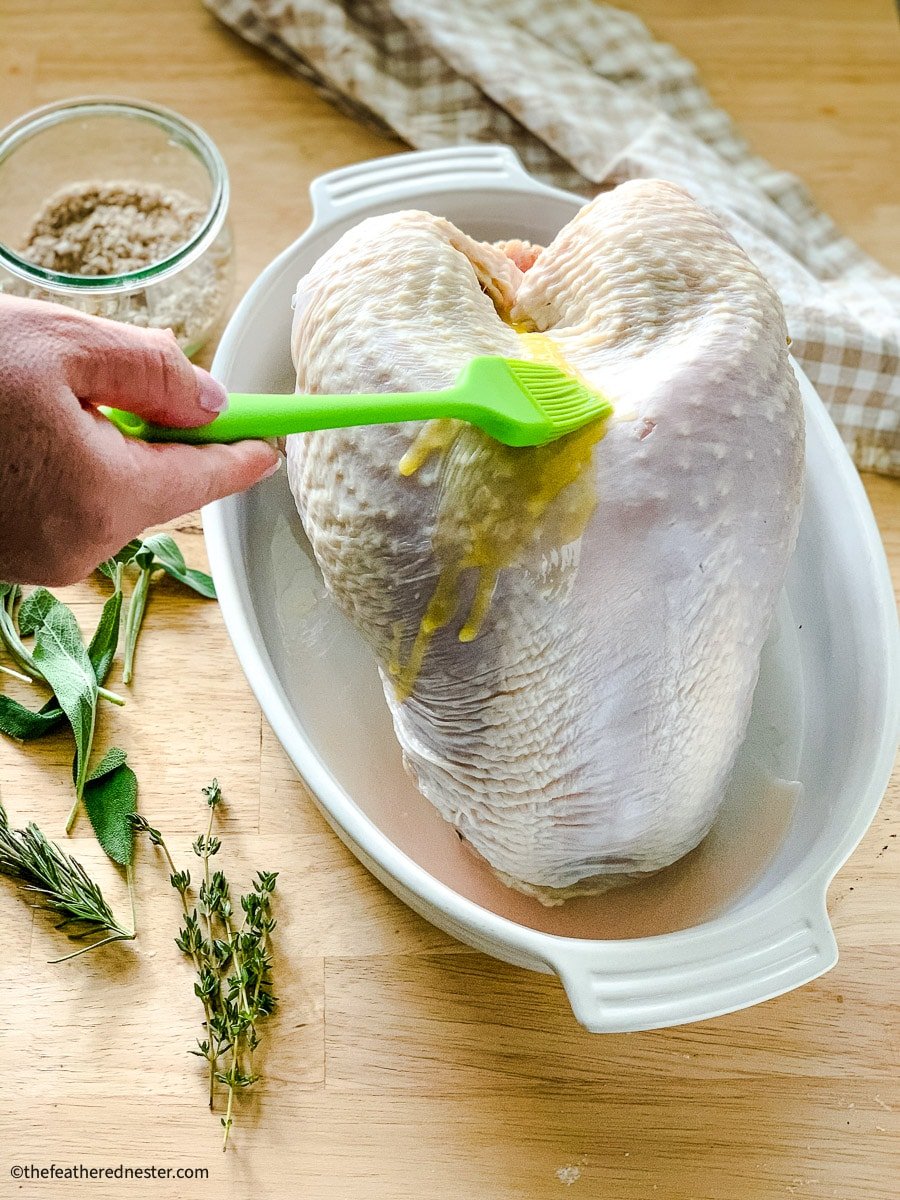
{"x": 140, "y": 370}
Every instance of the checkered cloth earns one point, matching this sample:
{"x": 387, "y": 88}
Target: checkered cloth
{"x": 589, "y": 98}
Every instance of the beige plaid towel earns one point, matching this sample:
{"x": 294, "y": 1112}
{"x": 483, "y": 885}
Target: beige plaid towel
{"x": 588, "y": 99}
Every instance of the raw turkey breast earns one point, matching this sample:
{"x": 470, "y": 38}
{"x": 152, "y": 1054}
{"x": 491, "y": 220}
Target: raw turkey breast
{"x": 569, "y": 637}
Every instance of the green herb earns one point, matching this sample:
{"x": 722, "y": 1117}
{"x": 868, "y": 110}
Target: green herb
{"x": 59, "y": 659}
{"x": 105, "y": 642}
{"x": 123, "y": 558}
{"x": 60, "y": 655}
{"x": 110, "y": 797}
{"x": 19, "y": 722}
{"x": 62, "y": 884}
{"x": 10, "y": 594}
{"x": 154, "y": 553}
{"x": 62, "y": 659}
{"x": 134, "y": 618}
{"x": 12, "y": 630}
{"x": 233, "y": 963}
{"x": 23, "y": 723}
{"x": 16, "y": 674}
{"x": 170, "y": 558}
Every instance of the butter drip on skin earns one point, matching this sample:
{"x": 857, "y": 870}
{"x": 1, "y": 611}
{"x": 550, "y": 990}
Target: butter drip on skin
{"x": 495, "y": 502}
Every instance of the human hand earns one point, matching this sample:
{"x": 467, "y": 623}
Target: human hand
{"x": 73, "y": 490}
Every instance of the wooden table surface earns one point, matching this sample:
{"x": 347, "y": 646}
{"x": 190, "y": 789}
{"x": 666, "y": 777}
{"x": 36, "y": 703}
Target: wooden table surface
{"x": 403, "y": 1065}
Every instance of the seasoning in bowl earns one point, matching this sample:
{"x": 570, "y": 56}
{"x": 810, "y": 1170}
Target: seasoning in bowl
{"x": 111, "y": 228}
{"x": 108, "y": 228}
{"x": 119, "y": 209}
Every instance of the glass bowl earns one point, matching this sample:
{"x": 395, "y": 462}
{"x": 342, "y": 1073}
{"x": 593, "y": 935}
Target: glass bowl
{"x": 65, "y": 150}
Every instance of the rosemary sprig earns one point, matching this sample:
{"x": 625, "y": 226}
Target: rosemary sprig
{"x": 233, "y": 962}
{"x": 62, "y": 883}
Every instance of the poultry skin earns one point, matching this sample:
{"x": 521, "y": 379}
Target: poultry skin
{"x": 569, "y": 636}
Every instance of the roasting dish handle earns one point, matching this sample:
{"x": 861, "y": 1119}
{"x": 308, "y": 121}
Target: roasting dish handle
{"x": 479, "y": 167}
{"x": 695, "y": 974}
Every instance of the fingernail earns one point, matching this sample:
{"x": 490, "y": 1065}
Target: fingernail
{"x": 276, "y": 466}
{"x": 212, "y": 396}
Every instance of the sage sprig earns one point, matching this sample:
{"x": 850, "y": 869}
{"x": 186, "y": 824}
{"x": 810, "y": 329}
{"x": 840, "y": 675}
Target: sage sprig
{"x": 77, "y": 675}
{"x": 61, "y": 883}
{"x": 60, "y": 659}
{"x": 232, "y": 962}
{"x": 101, "y": 650}
{"x": 24, "y": 724}
{"x": 158, "y": 552}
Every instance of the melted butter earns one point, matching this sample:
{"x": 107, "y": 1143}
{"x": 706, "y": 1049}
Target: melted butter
{"x": 435, "y": 438}
{"x": 495, "y": 503}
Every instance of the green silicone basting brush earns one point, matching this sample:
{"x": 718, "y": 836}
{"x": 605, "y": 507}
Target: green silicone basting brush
{"x": 519, "y": 403}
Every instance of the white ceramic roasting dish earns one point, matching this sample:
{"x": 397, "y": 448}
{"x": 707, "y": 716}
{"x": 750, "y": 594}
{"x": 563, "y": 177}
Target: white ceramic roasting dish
{"x": 744, "y": 918}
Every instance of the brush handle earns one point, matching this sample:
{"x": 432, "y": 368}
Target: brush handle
{"x": 270, "y": 416}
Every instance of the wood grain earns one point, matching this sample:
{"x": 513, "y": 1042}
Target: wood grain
{"x": 403, "y": 1065}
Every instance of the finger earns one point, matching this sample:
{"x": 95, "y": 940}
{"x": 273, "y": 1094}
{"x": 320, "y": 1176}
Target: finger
{"x": 103, "y": 500}
{"x": 140, "y": 370}
{"x": 166, "y": 480}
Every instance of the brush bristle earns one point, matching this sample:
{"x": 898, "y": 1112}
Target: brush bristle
{"x": 563, "y": 400}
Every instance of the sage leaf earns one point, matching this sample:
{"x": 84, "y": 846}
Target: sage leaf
{"x": 170, "y": 558}
{"x": 21, "y": 723}
{"x": 60, "y": 655}
{"x": 125, "y": 556}
{"x": 134, "y": 619}
{"x": 164, "y": 547}
{"x": 34, "y": 609}
{"x": 110, "y": 797}
{"x": 9, "y": 634}
{"x": 111, "y": 761}
{"x": 158, "y": 551}
{"x": 105, "y": 642}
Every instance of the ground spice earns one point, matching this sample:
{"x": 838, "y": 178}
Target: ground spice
{"x": 108, "y": 228}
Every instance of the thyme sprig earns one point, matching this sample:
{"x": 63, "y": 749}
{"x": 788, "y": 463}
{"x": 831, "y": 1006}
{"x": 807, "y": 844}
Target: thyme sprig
{"x": 232, "y": 961}
{"x": 62, "y": 884}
